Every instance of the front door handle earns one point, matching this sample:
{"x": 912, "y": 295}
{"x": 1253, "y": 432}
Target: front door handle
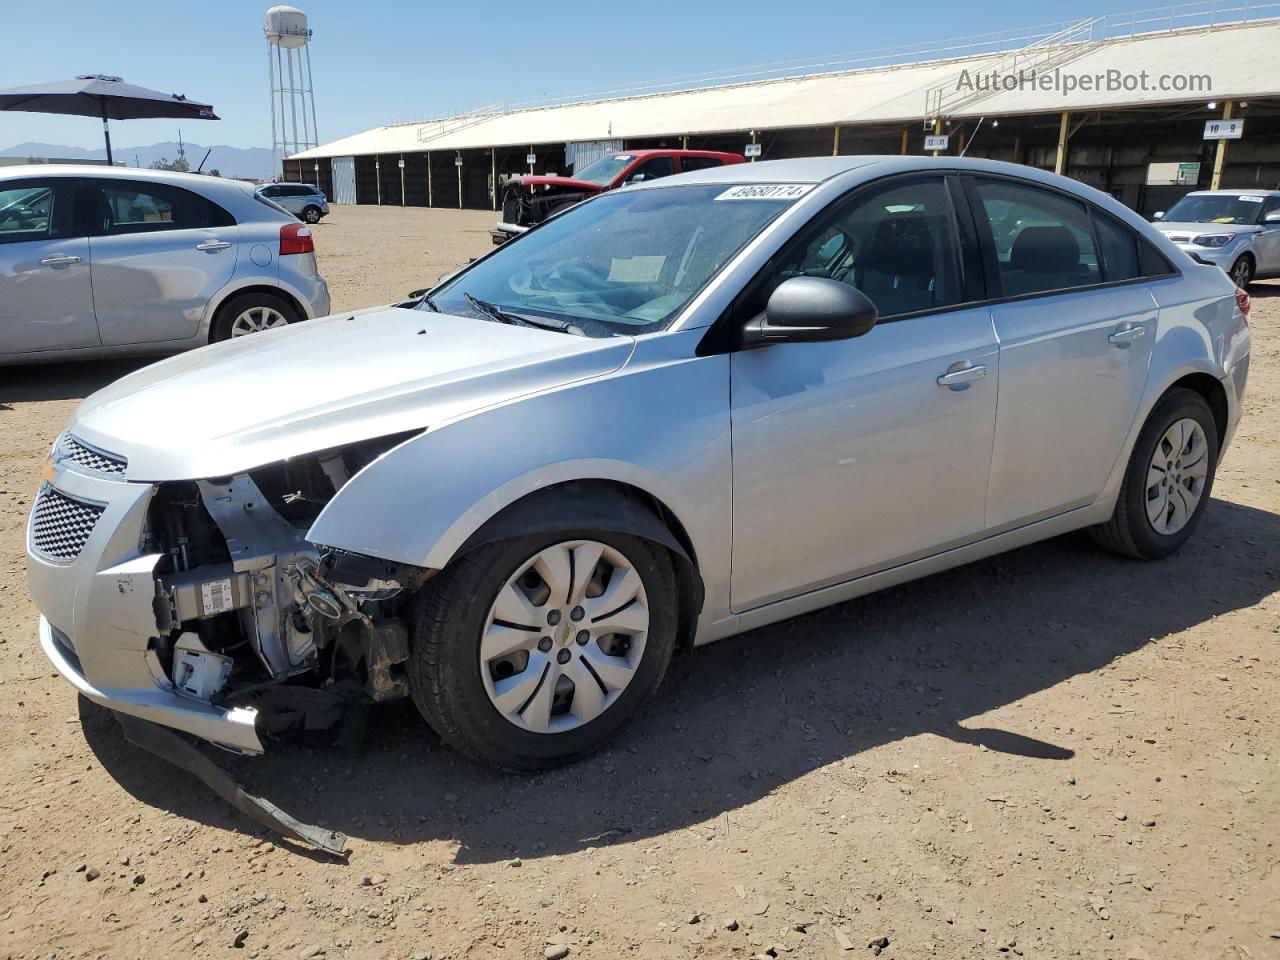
{"x": 213, "y": 246}
{"x": 59, "y": 260}
{"x": 1125, "y": 334}
{"x": 960, "y": 377}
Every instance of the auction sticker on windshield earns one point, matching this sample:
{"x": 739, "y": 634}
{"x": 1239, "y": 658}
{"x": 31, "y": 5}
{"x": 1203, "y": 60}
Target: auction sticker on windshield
{"x": 766, "y": 191}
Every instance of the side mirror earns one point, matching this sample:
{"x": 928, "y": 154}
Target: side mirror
{"x": 1158, "y": 215}
{"x": 810, "y": 310}
{"x": 1273, "y": 217}
{"x": 638, "y": 178}
{"x": 418, "y": 294}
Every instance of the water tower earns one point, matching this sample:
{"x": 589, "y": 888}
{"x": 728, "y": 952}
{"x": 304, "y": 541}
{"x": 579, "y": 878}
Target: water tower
{"x": 293, "y": 103}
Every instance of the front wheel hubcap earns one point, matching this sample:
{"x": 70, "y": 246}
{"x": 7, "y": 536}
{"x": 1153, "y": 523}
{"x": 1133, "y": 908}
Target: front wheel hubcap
{"x": 557, "y": 686}
{"x": 257, "y": 319}
{"x": 1176, "y": 477}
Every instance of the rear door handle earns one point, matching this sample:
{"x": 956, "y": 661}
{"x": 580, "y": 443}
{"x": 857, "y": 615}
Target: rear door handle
{"x": 213, "y": 245}
{"x": 1125, "y": 334}
{"x": 960, "y": 377}
{"x": 59, "y": 260}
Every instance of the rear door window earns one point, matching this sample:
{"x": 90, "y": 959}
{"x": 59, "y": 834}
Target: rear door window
{"x": 1119, "y": 247}
{"x": 688, "y": 164}
{"x": 155, "y": 207}
{"x": 1043, "y": 240}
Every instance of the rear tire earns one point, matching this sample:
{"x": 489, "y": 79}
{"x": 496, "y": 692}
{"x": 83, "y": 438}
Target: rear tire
{"x": 251, "y": 313}
{"x": 1167, "y": 482}
{"x": 486, "y": 708}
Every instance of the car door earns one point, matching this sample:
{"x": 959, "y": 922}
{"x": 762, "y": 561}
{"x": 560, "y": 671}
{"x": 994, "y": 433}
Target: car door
{"x": 1268, "y": 242}
{"x": 159, "y": 254}
{"x": 46, "y": 300}
{"x": 1075, "y": 342}
{"x": 855, "y": 455}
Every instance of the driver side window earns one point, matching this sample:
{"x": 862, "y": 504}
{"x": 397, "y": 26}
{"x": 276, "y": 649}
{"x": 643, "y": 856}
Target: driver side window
{"x": 897, "y": 244}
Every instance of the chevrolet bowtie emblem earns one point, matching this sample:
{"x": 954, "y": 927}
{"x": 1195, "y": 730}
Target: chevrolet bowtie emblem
{"x": 48, "y": 471}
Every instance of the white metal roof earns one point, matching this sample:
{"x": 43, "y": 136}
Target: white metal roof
{"x": 1240, "y": 60}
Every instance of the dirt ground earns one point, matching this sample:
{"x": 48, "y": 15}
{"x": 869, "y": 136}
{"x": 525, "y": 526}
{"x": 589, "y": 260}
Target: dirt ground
{"x": 1053, "y": 753}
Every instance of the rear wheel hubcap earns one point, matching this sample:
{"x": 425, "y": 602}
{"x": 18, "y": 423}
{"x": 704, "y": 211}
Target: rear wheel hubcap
{"x": 1176, "y": 477}
{"x": 546, "y": 670}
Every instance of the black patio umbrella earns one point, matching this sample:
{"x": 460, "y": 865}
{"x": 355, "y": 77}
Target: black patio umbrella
{"x": 107, "y": 97}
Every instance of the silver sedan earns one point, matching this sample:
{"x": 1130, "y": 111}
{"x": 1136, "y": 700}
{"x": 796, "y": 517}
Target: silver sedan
{"x": 109, "y": 261}
{"x": 668, "y": 415}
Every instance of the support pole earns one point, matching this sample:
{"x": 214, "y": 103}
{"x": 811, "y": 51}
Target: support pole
{"x": 106, "y": 132}
{"x": 1017, "y": 149}
{"x": 1220, "y": 157}
{"x": 401, "y": 165}
{"x": 1060, "y": 164}
{"x": 493, "y": 176}
{"x": 684, "y": 142}
{"x": 937, "y": 129}
{"x": 458, "y": 167}
{"x": 904, "y": 143}
{"x": 960, "y": 143}
{"x": 377, "y": 176}
{"x": 311, "y": 95}
{"x": 531, "y": 154}
{"x": 835, "y": 142}
{"x": 274, "y": 138}
{"x": 431, "y": 196}
{"x": 293, "y": 101}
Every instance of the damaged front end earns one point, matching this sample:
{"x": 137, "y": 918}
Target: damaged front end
{"x": 252, "y": 615}
{"x": 527, "y": 201}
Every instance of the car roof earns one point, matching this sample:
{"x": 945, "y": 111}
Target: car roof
{"x": 1234, "y": 193}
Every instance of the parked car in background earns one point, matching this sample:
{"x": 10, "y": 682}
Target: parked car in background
{"x": 528, "y": 199}
{"x": 304, "y": 200}
{"x": 98, "y": 261}
{"x": 1238, "y": 230}
{"x": 674, "y": 413}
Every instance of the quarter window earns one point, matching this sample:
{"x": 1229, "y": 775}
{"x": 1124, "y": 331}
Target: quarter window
{"x": 1043, "y": 241}
{"x": 897, "y": 245}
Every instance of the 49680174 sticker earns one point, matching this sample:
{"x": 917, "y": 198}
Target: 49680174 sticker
{"x": 766, "y": 191}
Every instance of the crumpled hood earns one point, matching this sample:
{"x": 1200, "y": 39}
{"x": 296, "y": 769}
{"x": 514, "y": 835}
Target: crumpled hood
{"x": 533, "y": 180}
{"x": 1200, "y": 229}
{"x": 229, "y": 407}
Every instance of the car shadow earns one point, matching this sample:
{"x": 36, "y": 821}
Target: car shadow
{"x": 62, "y": 381}
{"x": 734, "y": 720}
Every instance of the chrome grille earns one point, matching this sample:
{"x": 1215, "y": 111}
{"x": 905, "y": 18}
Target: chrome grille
{"x": 74, "y": 451}
{"x": 61, "y": 525}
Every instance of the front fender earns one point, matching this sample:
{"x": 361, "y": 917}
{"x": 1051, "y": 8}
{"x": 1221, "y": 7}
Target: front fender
{"x": 661, "y": 425}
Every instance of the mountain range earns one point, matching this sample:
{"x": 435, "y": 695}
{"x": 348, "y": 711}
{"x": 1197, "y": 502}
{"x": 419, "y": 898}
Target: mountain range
{"x": 229, "y": 161}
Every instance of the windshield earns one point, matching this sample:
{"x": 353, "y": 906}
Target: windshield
{"x": 605, "y": 169}
{"x": 624, "y": 263}
{"x": 1215, "y": 208}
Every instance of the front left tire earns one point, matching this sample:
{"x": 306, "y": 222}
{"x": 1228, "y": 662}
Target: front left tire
{"x": 311, "y": 214}
{"x": 531, "y": 652}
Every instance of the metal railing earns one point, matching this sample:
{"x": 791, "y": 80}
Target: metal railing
{"x": 1198, "y": 14}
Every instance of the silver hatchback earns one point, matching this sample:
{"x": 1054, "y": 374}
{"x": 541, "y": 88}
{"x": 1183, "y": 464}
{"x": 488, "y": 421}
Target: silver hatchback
{"x": 670, "y": 414}
{"x": 98, "y": 261}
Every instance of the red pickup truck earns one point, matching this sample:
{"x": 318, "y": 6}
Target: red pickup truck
{"x": 528, "y": 200}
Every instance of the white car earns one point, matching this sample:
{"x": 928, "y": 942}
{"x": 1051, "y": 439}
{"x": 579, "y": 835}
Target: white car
{"x": 110, "y": 261}
{"x": 1238, "y": 230}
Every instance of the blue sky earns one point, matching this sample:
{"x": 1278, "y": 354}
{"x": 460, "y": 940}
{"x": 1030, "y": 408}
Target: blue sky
{"x": 378, "y": 62}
